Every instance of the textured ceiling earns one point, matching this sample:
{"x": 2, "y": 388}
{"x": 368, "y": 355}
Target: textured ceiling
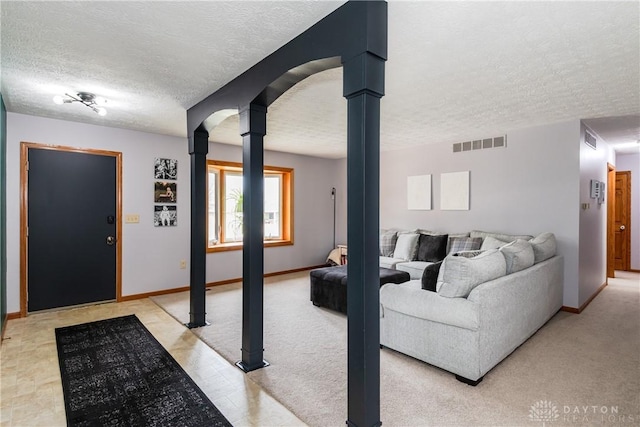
{"x": 456, "y": 70}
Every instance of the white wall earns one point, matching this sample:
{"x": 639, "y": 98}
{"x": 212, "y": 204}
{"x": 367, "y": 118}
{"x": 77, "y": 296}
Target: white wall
{"x": 593, "y": 220}
{"x": 631, "y": 162}
{"x": 151, "y": 256}
{"x": 529, "y": 187}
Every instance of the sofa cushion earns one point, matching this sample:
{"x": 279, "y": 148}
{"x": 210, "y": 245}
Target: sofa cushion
{"x": 406, "y": 246}
{"x": 388, "y": 242}
{"x": 457, "y": 244}
{"x": 518, "y": 255}
{"x": 468, "y": 254}
{"x": 389, "y": 262}
{"x": 432, "y": 248}
{"x": 425, "y": 231}
{"x": 430, "y": 276}
{"x": 500, "y": 236}
{"x": 414, "y": 268}
{"x": 544, "y": 246}
{"x": 459, "y": 275}
{"x": 490, "y": 242}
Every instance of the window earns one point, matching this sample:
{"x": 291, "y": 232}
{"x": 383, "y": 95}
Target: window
{"x": 225, "y": 218}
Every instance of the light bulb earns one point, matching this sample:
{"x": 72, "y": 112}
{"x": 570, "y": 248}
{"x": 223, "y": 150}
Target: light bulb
{"x": 58, "y": 100}
{"x": 101, "y": 111}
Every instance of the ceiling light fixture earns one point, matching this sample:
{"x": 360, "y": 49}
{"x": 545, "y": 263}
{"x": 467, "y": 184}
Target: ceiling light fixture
{"x": 86, "y": 98}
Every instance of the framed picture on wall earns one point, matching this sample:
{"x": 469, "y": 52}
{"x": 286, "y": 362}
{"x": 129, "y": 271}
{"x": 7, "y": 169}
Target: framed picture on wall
{"x": 165, "y": 216}
{"x": 165, "y": 192}
{"x": 165, "y": 169}
{"x": 419, "y": 192}
{"x": 454, "y": 191}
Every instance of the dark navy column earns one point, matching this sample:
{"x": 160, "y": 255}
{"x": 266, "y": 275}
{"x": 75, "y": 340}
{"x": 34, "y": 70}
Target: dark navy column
{"x": 253, "y": 127}
{"x": 198, "y": 149}
{"x": 363, "y": 88}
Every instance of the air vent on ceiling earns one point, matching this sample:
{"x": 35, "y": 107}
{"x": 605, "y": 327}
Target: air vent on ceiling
{"x": 589, "y": 139}
{"x": 479, "y": 144}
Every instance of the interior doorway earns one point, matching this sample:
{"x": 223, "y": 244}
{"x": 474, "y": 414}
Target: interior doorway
{"x": 622, "y": 221}
{"x": 70, "y": 227}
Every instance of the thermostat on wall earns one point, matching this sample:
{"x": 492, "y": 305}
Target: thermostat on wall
{"x": 595, "y": 189}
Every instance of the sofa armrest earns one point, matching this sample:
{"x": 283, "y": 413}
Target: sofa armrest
{"x": 409, "y": 298}
{"x": 515, "y": 306}
{"x": 537, "y": 289}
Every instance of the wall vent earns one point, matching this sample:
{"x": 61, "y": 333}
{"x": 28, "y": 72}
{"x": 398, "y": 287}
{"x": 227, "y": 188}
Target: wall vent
{"x": 480, "y": 144}
{"x": 589, "y": 139}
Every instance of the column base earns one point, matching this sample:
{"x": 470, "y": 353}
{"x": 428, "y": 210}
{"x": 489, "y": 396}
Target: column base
{"x": 195, "y": 325}
{"x": 246, "y": 368}
{"x": 350, "y": 424}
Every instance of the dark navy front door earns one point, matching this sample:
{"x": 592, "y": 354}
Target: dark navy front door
{"x": 71, "y": 236}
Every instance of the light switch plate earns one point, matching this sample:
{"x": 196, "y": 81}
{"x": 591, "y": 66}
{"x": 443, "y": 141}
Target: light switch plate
{"x": 132, "y": 218}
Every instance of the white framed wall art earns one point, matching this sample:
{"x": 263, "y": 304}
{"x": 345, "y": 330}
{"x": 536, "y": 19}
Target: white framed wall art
{"x": 419, "y": 192}
{"x": 454, "y": 191}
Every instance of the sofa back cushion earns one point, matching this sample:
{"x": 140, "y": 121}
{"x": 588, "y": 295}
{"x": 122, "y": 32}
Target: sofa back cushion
{"x": 518, "y": 255}
{"x": 388, "y": 242}
{"x": 432, "y": 248}
{"x": 406, "y": 246}
{"x": 544, "y": 246}
{"x": 490, "y": 242}
{"x": 459, "y": 275}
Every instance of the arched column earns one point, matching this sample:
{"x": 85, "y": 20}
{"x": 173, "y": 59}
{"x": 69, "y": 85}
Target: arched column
{"x": 198, "y": 149}
{"x": 253, "y": 127}
{"x": 356, "y": 33}
{"x": 363, "y": 88}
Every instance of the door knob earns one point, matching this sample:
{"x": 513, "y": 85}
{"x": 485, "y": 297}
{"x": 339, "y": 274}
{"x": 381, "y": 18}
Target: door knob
{"x": 111, "y": 240}
{"x": 622, "y": 227}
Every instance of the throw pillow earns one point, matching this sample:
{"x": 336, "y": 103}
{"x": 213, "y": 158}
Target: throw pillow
{"x": 459, "y": 275}
{"x": 499, "y": 236}
{"x": 406, "y": 246}
{"x": 423, "y": 231}
{"x": 544, "y": 246}
{"x": 492, "y": 243}
{"x": 430, "y": 276}
{"x": 432, "y": 248}
{"x": 468, "y": 254}
{"x": 388, "y": 242}
{"x": 518, "y": 255}
{"x": 457, "y": 244}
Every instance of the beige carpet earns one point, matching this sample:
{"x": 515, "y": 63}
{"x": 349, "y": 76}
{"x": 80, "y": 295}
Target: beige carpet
{"x": 580, "y": 366}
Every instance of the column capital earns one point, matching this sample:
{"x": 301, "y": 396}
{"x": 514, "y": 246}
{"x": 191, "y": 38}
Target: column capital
{"x": 199, "y": 142}
{"x": 363, "y": 73}
{"x": 253, "y": 119}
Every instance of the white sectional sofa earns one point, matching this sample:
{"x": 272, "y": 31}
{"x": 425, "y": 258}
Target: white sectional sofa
{"x": 485, "y": 304}
{"x": 400, "y": 249}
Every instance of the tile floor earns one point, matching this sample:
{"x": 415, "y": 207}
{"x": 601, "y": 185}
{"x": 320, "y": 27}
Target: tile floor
{"x": 31, "y": 388}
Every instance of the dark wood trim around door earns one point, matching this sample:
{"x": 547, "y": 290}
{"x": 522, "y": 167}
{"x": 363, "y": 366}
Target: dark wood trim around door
{"x": 24, "y": 209}
{"x": 626, "y": 210}
{"x": 611, "y": 219}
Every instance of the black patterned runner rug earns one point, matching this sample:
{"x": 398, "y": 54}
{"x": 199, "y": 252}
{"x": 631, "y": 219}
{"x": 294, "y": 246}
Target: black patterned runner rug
{"x": 115, "y": 373}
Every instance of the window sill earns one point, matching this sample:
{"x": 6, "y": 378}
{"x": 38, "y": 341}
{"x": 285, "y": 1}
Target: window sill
{"x": 237, "y": 246}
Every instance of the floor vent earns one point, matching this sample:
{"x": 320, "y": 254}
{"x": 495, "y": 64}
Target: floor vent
{"x": 480, "y": 144}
